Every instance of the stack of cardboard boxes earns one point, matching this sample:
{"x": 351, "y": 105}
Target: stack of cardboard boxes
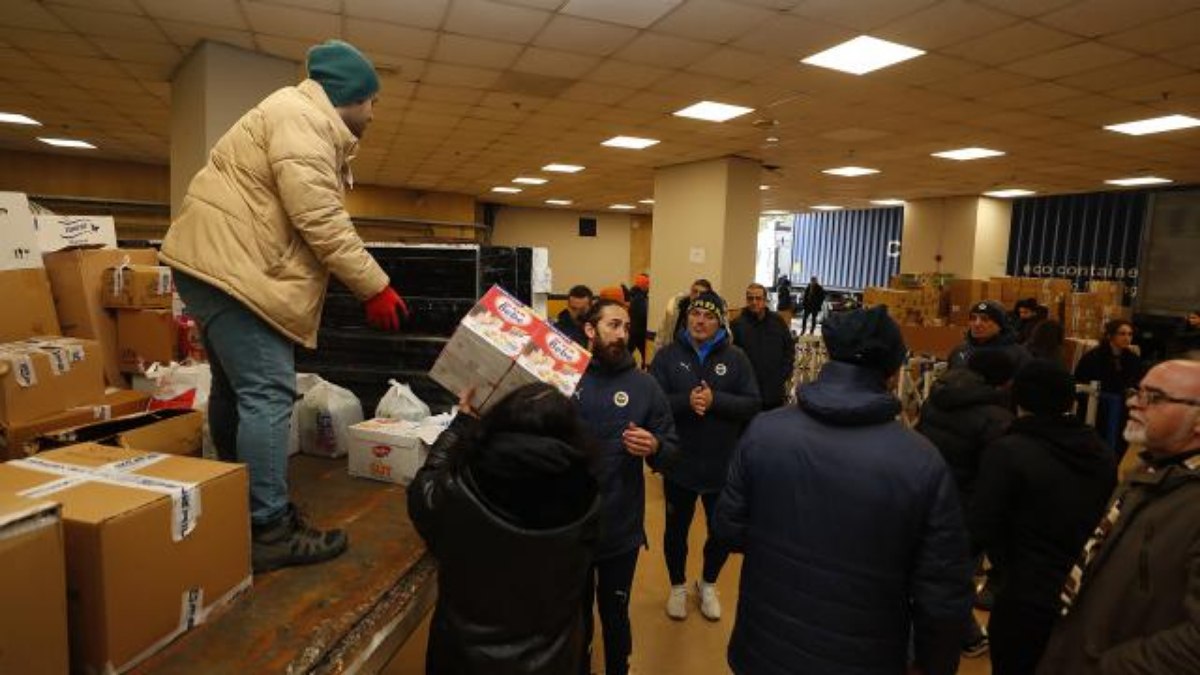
{"x": 102, "y": 537}
{"x": 919, "y": 306}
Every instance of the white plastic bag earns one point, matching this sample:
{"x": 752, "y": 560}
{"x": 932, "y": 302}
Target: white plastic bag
{"x": 179, "y": 386}
{"x": 400, "y": 403}
{"x": 323, "y": 418}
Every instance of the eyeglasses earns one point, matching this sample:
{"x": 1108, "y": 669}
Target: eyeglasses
{"x": 752, "y": 298}
{"x": 1150, "y": 397}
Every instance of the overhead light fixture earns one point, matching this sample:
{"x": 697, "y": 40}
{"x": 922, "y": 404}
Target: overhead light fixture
{"x": 775, "y": 212}
{"x": 851, "y": 171}
{"x": 527, "y": 180}
{"x": 862, "y": 55}
{"x": 622, "y": 207}
{"x": 563, "y": 168}
{"x": 965, "y": 154}
{"x": 506, "y": 189}
{"x": 772, "y": 139}
{"x": 645, "y": 201}
{"x": 1138, "y": 180}
{"x": 888, "y": 202}
{"x": 16, "y": 118}
{"x": 826, "y": 207}
{"x": 1155, "y": 125}
{"x": 67, "y": 143}
{"x": 1009, "y": 193}
{"x": 630, "y": 142}
{"x": 711, "y": 111}
{"x": 764, "y": 187}
{"x": 559, "y": 202}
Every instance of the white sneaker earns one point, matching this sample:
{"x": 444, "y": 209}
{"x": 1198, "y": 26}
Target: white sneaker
{"x": 677, "y": 602}
{"x": 710, "y": 605}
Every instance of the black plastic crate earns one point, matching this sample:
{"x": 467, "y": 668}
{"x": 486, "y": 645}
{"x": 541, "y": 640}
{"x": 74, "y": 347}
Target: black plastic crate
{"x": 429, "y": 316}
{"x": 371, "y": 349}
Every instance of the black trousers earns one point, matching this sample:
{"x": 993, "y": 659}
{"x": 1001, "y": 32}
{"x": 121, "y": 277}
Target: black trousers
{"x": 681, "y": 507}
{"x": 815, "y": 314}
{"x": 1019, "y": 633}
{"x": 609, "y": 584}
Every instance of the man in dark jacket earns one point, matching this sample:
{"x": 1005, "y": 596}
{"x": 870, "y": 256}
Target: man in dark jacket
{"x": 854, "y": 542}
{"x": 988, "y": 329}
{"x": 710, "y": 386}
{"x": 570, "y": 320}
{"x": 628, "y": 415}
{"x": 1132, "y": 601}
{"x": 768, "y": 343}
{"x": 810, "y": 304}
{"x": 967, "y": 409}
{"x": 1041, "y": 490}
{"x": 639, "y": 312}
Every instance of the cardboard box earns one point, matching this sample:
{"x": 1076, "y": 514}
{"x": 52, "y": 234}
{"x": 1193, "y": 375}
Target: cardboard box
{"x": 18, "y": 239}
{"x": 501, "y": 344}
{"x": 33, "y": 588}
{"x": 171, "y": 432}
{"x": 933, "y": 340}
{"x": 144, "y": 337}
{"x": 29, "y": 305}
{"x": 21, "y": 440}
{"x": 75, "y": 279}
{"x": 138, "y": 287}
{"x": 966, "y": 292}
{"x": 391, "y": 450}
{"x": 54, "y": 233}
{"x": 153, "y": 544}
{"x": 44, "y": 376}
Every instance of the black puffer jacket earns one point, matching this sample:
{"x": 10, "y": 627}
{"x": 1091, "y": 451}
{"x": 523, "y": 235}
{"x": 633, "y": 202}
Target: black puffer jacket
{"x": 1115, "y": 372}
{"x": 1005, "y": 340}
{"x": 853, "y": 538}
{"x": 963, "y": 414}
{"x": 567, "y": 325}
{"x": 513, "y": 536}
{"x": 707, "y": 442}
{"x": 1041, "y": 490}
{"x": 768, "y": 344}
{"x": 610, "y": 397}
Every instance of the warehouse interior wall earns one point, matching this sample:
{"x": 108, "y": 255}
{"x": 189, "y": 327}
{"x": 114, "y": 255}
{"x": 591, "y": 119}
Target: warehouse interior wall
{"x": 940, "y": 227}
{"x": 597, "y": 261}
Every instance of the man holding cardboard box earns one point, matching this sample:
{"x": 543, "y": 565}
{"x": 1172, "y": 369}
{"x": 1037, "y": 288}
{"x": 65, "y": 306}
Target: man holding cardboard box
{"x": 262, "y": 227}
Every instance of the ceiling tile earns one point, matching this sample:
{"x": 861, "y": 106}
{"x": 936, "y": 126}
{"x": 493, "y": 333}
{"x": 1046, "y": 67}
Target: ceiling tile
{"x": 653, "y": 101}
{"x": 470, "y": 51}
{"x": 27, "y": 14}
{"x": 792, "y": 37}
{"x": 1011, "y": 43}
{"x": 327, "y": 6}
{"x": 1026, "y": 8}
{"x": 187, "y": 35}
{"x": 583, "y": 35}
{"x": 460, "y": 76}
{"x": 946, "y": 23}
{"x": 613, "y": 71}
{"x": 1032, "y": 95}
{"x": 110, "y": 24}
{"x": 431, "y": 92}
{"x": 590, "y": 92}
{"x": 158, "y": 53}
{"x": 380, "y": 37}
{"x": 861, "y": 15}
{"x": 124, "y": 6}
{"x": 980, "y": 83}
{"x": 1096, "y": 18}
{"x": 423, "y": 14}
{"x": 665, "y": 50}
{"x": 555, "y": 63}
{"x": 288, "y": 22}
{"x": 1159, "y": 36}
{"x": 491, "y": 20}
{"x": 222, "y": 13}
{"x": 65, "y": 63}
{"x": 287, "y": 48}
{"x": 712, "y": 20}
{"x": 635, "y": 13}
{"x": 735, "y": 64}
{"x": 1129, "y": 73}
{"x": 1188, "y": 56}
{"x": 1070, "y": 60}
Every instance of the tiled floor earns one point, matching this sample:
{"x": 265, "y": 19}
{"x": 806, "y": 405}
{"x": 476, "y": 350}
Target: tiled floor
{"x": 661, "y": 646}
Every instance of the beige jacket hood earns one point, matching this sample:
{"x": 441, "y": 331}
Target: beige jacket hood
{"x": 264, "y": 220}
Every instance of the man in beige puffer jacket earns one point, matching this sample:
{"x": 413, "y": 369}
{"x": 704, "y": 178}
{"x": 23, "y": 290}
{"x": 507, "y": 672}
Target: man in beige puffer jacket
{"x": 260, "y": 230}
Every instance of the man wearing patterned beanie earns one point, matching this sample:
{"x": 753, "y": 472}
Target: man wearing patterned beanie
{"x": 261, "y": 228}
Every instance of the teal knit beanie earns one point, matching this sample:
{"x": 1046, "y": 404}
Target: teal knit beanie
{"x": 344, "y": 72}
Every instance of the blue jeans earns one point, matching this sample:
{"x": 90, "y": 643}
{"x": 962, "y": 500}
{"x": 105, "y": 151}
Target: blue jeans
{"x": 253, "y": 390}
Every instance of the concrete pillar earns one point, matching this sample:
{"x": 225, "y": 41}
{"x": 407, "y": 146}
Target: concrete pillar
{"x": 963, "y": 236}
{"x": 705, "y": 225}
{"x": 212, "y": 89}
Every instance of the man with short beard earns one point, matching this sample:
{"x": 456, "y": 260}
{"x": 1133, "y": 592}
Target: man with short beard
{"x": 1132, "y": 602}
{"x": 628, "y": 415}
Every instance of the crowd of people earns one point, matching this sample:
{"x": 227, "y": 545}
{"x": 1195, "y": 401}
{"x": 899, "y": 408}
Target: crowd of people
{"x": 862, "y": 539}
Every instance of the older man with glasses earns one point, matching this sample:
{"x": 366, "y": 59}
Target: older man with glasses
{"x": 1132, "y": 603}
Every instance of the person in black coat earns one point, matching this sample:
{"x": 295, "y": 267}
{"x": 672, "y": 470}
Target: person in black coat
{"x": 784, "y": 302}
{"x": 713, "y": 395}
{"x": 509, "y": 508}
{"x": 1187, "y": 340}
{"x": 854, "y": 545}
{"x": 626, "y": 412}
{"x": 1118, "y": 369}
{"x": 988, "y": 329}
{"x": 810, "y": 304}
{"x": 1041, "y": 490}
{"x": 570, "y": 320}
{"x": 769, "y": 345}
{"x": 639, "y": 311}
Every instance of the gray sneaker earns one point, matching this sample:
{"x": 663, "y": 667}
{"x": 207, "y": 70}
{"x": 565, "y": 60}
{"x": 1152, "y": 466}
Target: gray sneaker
{"x": 292, "y": 541}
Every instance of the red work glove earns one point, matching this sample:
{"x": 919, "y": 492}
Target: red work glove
{"x": 382, "y": 309}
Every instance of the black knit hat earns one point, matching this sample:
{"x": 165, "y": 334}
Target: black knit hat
{"x": 992, "y": 310}
{"x": 1044, "y": 387}
{"x": 865, "y": 337}
{"x": 346, "y": 74}
{"x": 710, "y": 302}
{"x": 1028, "y": 303}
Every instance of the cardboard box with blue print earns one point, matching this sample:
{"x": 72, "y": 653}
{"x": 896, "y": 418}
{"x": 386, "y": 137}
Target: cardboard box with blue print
{"x": 154, "y": 543}
{"x": 128, "y": 286}
{"x": 55, "y": 233}
{"x": 44, "y": 376}
{"x": 33, "y": 588}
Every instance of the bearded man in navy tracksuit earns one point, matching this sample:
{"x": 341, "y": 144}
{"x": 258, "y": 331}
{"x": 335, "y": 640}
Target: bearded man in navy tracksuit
{"x": 628, "y": 415}
{"x": 713, "y": 393}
